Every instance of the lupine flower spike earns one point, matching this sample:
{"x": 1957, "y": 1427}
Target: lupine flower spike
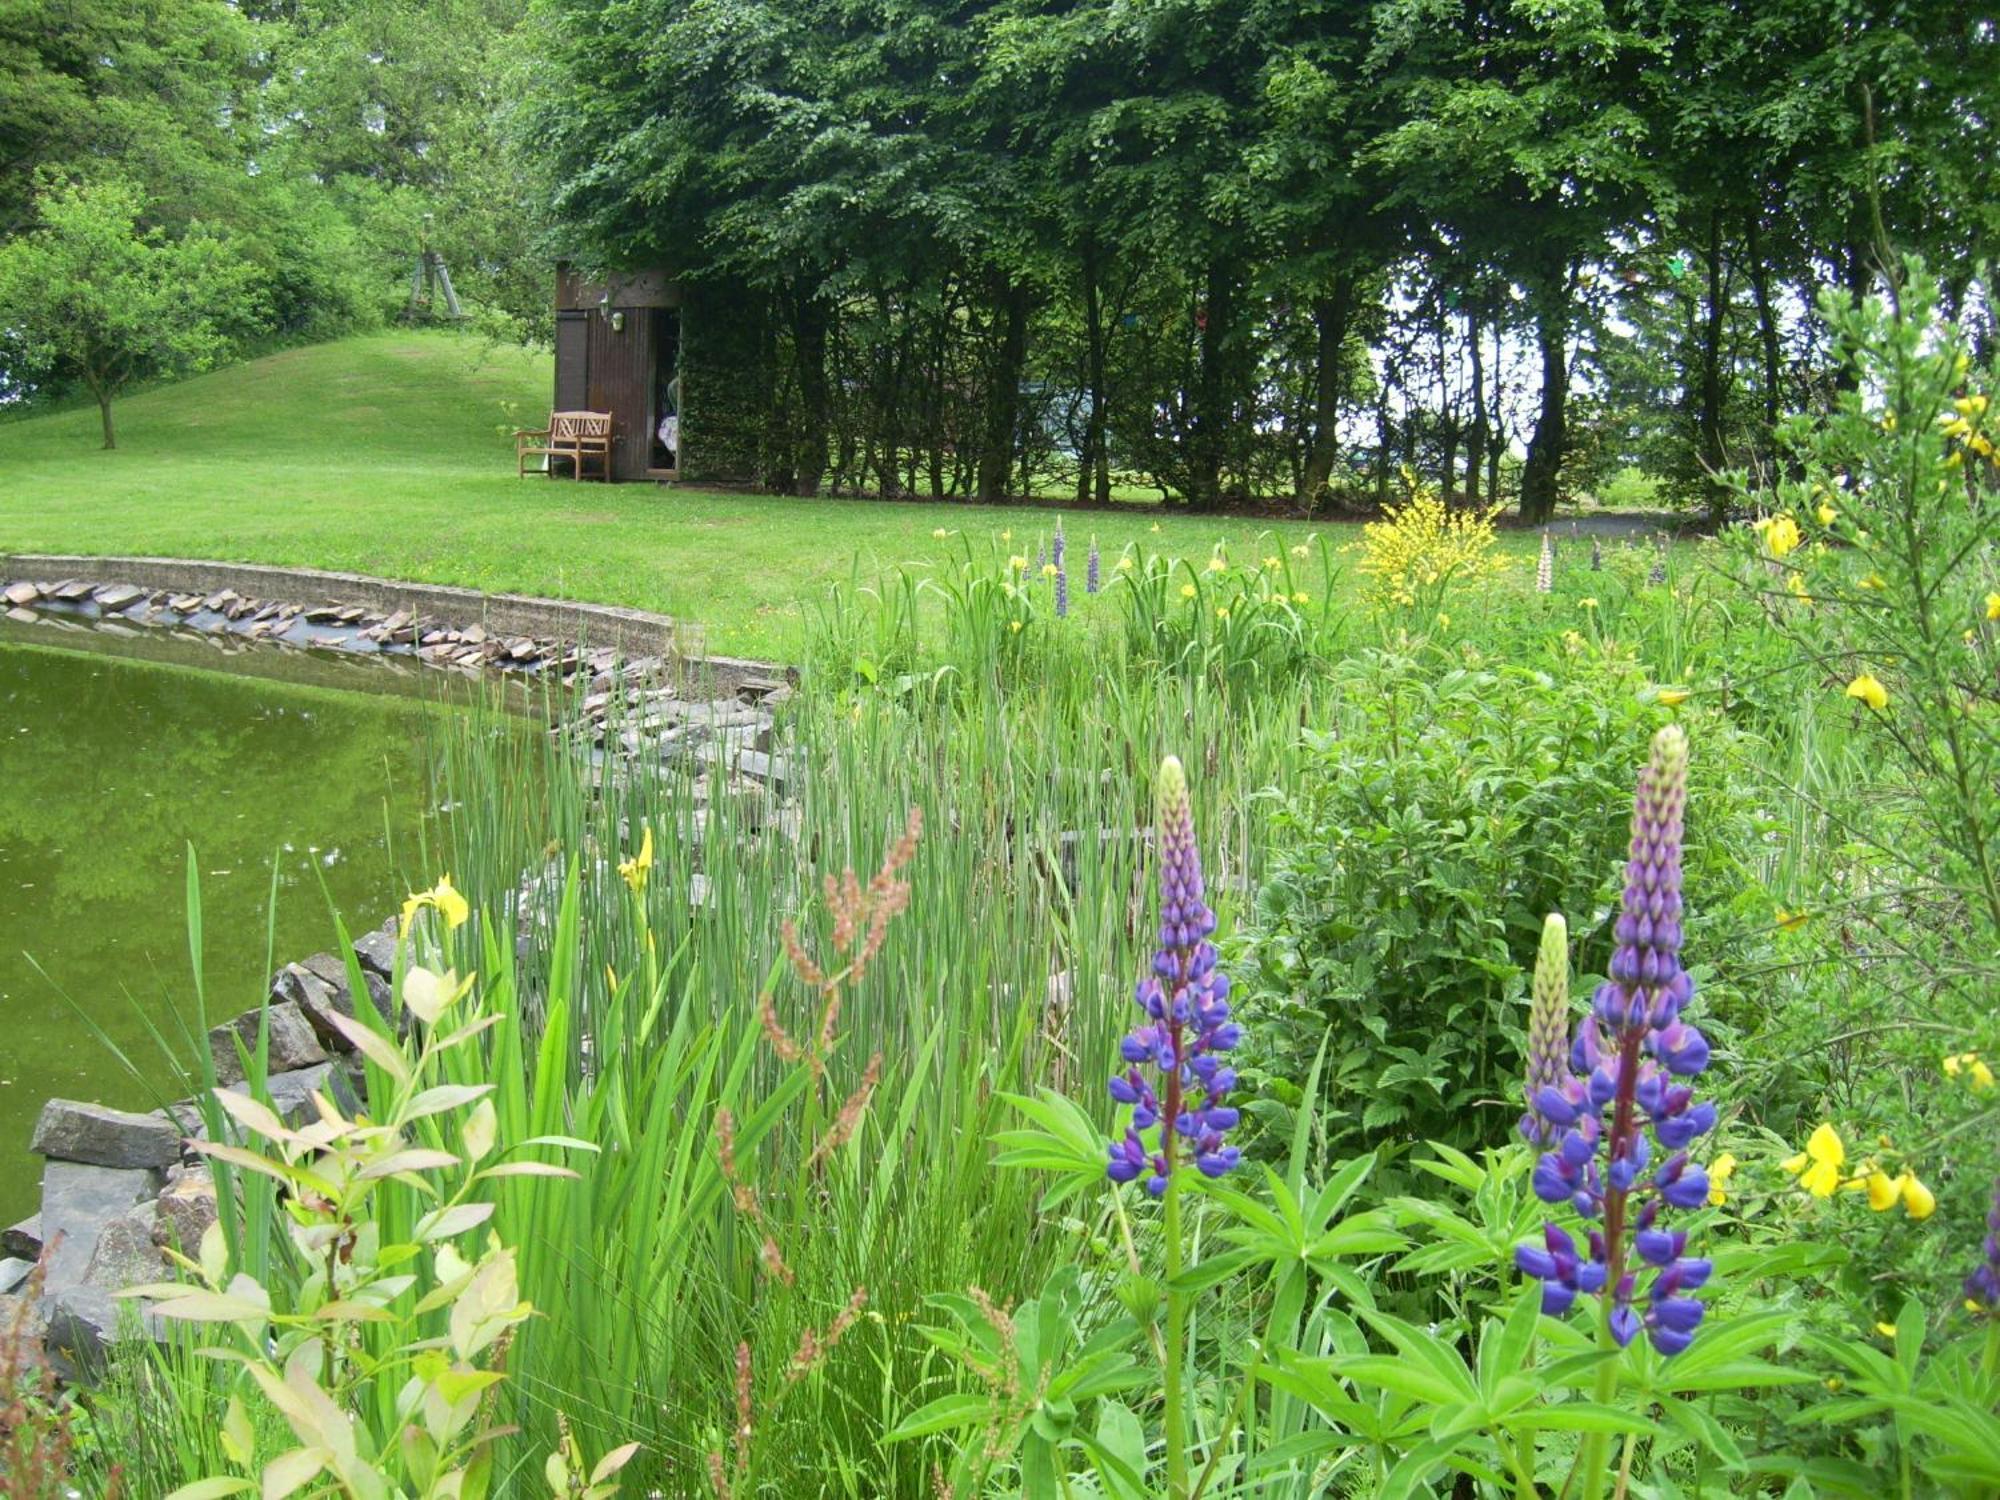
{"x": 1982, "y": 1287}
{"x": 1548, "y": 1025}
{"x": 1545, "y": 567}
{"x": 1624, "y": 1096}
{"x": 1175, "y": 1070}
{"x": 1093, "y": 569}
{"x": 1061, "y": 573}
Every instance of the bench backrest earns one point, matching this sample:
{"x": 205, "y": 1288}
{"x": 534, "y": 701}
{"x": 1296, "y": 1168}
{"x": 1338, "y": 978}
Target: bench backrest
{"x": 579, "y": 424}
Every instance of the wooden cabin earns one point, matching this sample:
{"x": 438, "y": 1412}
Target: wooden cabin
{"x": 618, "y": 349}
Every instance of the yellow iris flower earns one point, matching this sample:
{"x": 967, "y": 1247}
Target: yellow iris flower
{"x": 1818, "y": 1166}
{"x": 1868, "y": 689}
{"x": 1301, "y": 550}
{"x": 1188, "y": 591}
{"x": 634, "y": 871}
{"x": 1018, "y": 563}
{"x": 1217, "y": 565}
{"x": 442, "y": 898}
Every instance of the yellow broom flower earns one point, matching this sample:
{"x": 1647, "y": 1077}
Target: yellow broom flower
{"x": 1868, "y": 689}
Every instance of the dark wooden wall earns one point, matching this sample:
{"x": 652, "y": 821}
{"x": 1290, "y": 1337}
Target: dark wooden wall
{"x": 601, "y": 368}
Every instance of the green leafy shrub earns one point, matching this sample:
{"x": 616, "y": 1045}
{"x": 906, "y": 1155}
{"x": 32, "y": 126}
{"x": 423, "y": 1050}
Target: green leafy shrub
{"x": 1449, "y": 810}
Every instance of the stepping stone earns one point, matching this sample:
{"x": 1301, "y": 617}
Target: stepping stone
{"x": 90, "y": 1133}
{"x": 119, "y": 595}
{"x": 20, "y": 593}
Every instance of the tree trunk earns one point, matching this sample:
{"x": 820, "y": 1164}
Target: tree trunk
{"x": 1093, "y": 480}
{"x": 809, "y": 348}
{"x": 1541, "y": 474}
{"x": 1211, "y": 419}
{"x": 1331, "y": 316}
{"x": 1003, "y": 392}
{"x": 1714, "y": 455}
{"x": 1475, "y": 440}
{"x": 1767, "y": 335}
{"x": 104, "y": 413}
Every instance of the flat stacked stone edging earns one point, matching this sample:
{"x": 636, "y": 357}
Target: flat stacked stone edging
{"x": 119, "y": 1188}
{"x": 501, "y": 619}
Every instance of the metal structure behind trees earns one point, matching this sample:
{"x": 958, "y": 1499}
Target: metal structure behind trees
{"x": 429, "y": 282}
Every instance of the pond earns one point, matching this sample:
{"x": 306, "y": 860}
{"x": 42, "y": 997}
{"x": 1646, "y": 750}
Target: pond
{"x": 110, "y": 767}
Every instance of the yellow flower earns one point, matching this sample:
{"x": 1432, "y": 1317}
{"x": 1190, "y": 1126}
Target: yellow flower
{"x": 1217, "y": 565}
{"x": 1274, "y": 562}
{"x": 1827, "y": 514}
{"x": 1444, "y": 620}
{"x": 1719, "y": 1172}
{"x": 1919, "y": 1202}
{"x": 1818, "y": 1166}
{"x": 1993, "y": 606}
{"x": 1018, "y": 563}
{"x": 1972, "y": 1066}
{"x": 1970, "y": 406}
{"x": 1572, "y": 640}
{"x": 1887, "y": 1330}
{"x": 442, "y": 898}
{"x": 1981, "y": 444}
{"x": 1156, "y": 526}
{"x": 1797, "y": 584}
{"x": 1049, "y": 570}
{"x": 1015, "y": 626}
{"x": 1301, "y": 550}
{"x": 1302, "y": 597}
{"x": 1188, "y": 591}
{"x": 635, "y": 870}
{"x": 1782, "y": 535}
{"x": 1956, "y": 427}
{"x": 1872, "y": 581}
{"x": 1790, "y": 921}
{"x": 939, "y": 534}
{"x": 1673, "y": 697}
{"x": 1222, "y": 612}
{"x": 1883, "y": 1190}
{"x": 1889, "y": 421}
{"x": 1587, "y": 603}
{"x": 1869, "y": 690}
{"x": 1125, "y": 564}
{"x": 1007, "y": 535}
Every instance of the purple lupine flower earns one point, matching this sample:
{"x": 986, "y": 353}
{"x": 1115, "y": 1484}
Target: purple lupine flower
{"x": 1982, "y": 1287}
{"x": 1548, "y": 1029}
{"x": 1625, "y": 1070}
{"x": 1062, "y": 589}
{"x": 1061, "y": 545}
{"x": 1041, "y": 558}
{"x": 1093, "y": 571}
{"x": 1187, "y": 1026}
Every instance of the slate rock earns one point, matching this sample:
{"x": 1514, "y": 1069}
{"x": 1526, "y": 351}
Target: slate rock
{"x": 83, "y": 1325}
{"x": 185, "y": 1211}
{"x": 293, "y": 1043}
{"x": 377, "y": 950}
{"x": 13, "y": 1271}
{"x": 126, "y": 1253}
{"x": 290, "y": 1093}
{"x": 69, "y": 1130}
{"x": 78, "y": 1202}
{"x": 23, "y": 1239}
{"x": 20, "y": 593}
{"x": 119, "y": 595}
{"x": 22, "y": 1319}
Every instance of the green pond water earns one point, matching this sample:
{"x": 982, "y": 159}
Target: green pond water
{"x": 109, "y": 768}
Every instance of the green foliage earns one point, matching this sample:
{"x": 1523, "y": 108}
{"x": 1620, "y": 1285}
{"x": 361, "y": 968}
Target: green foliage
{"x": 95, "y": 298}
{"x": 1443, "y": 814}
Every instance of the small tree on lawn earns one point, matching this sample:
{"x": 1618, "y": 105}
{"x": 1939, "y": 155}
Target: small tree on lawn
{"x": 90, "y": 297}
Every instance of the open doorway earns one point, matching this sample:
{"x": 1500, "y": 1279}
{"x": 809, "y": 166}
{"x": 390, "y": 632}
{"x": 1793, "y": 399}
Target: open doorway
{"x": 666, "y": 434}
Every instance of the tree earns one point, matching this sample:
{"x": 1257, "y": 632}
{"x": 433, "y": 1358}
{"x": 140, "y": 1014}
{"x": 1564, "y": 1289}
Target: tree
{"x": 92, "y": 298}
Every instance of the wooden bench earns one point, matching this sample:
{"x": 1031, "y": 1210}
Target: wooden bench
{"x": 579, "y": 436}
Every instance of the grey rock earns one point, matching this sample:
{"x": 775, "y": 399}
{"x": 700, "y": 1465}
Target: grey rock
{"x": 126, "y": 1254}
{"x": 78, "y": 1202}
{"x": 377, "y": 950}
{"x": 23, "y": 1324}
{"x": 84, "y": 1323}
{"x": 73, "y": 590}
{"x": 90, "y": 1133}
{"x": 119, "y": 595}
{"x": 290, "y": 1093}
{"x": 20, "y": 593}
{"x": 318, "y": 986}
{"x": 293, "y": 1043}
{"x": 22, "y": 616}
{"x": 13, "y": 1271}
{"x": 472, "y": 635}
{"x": 23, "y": 1239}
{"x": 185, "y": 1211}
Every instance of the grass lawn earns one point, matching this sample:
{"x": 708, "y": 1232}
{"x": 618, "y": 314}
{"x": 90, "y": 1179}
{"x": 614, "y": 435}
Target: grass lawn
{"x": 389, "y": 455}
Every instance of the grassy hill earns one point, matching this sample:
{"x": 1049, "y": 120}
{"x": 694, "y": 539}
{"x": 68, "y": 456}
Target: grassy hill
{"x": 389, "y": 454}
